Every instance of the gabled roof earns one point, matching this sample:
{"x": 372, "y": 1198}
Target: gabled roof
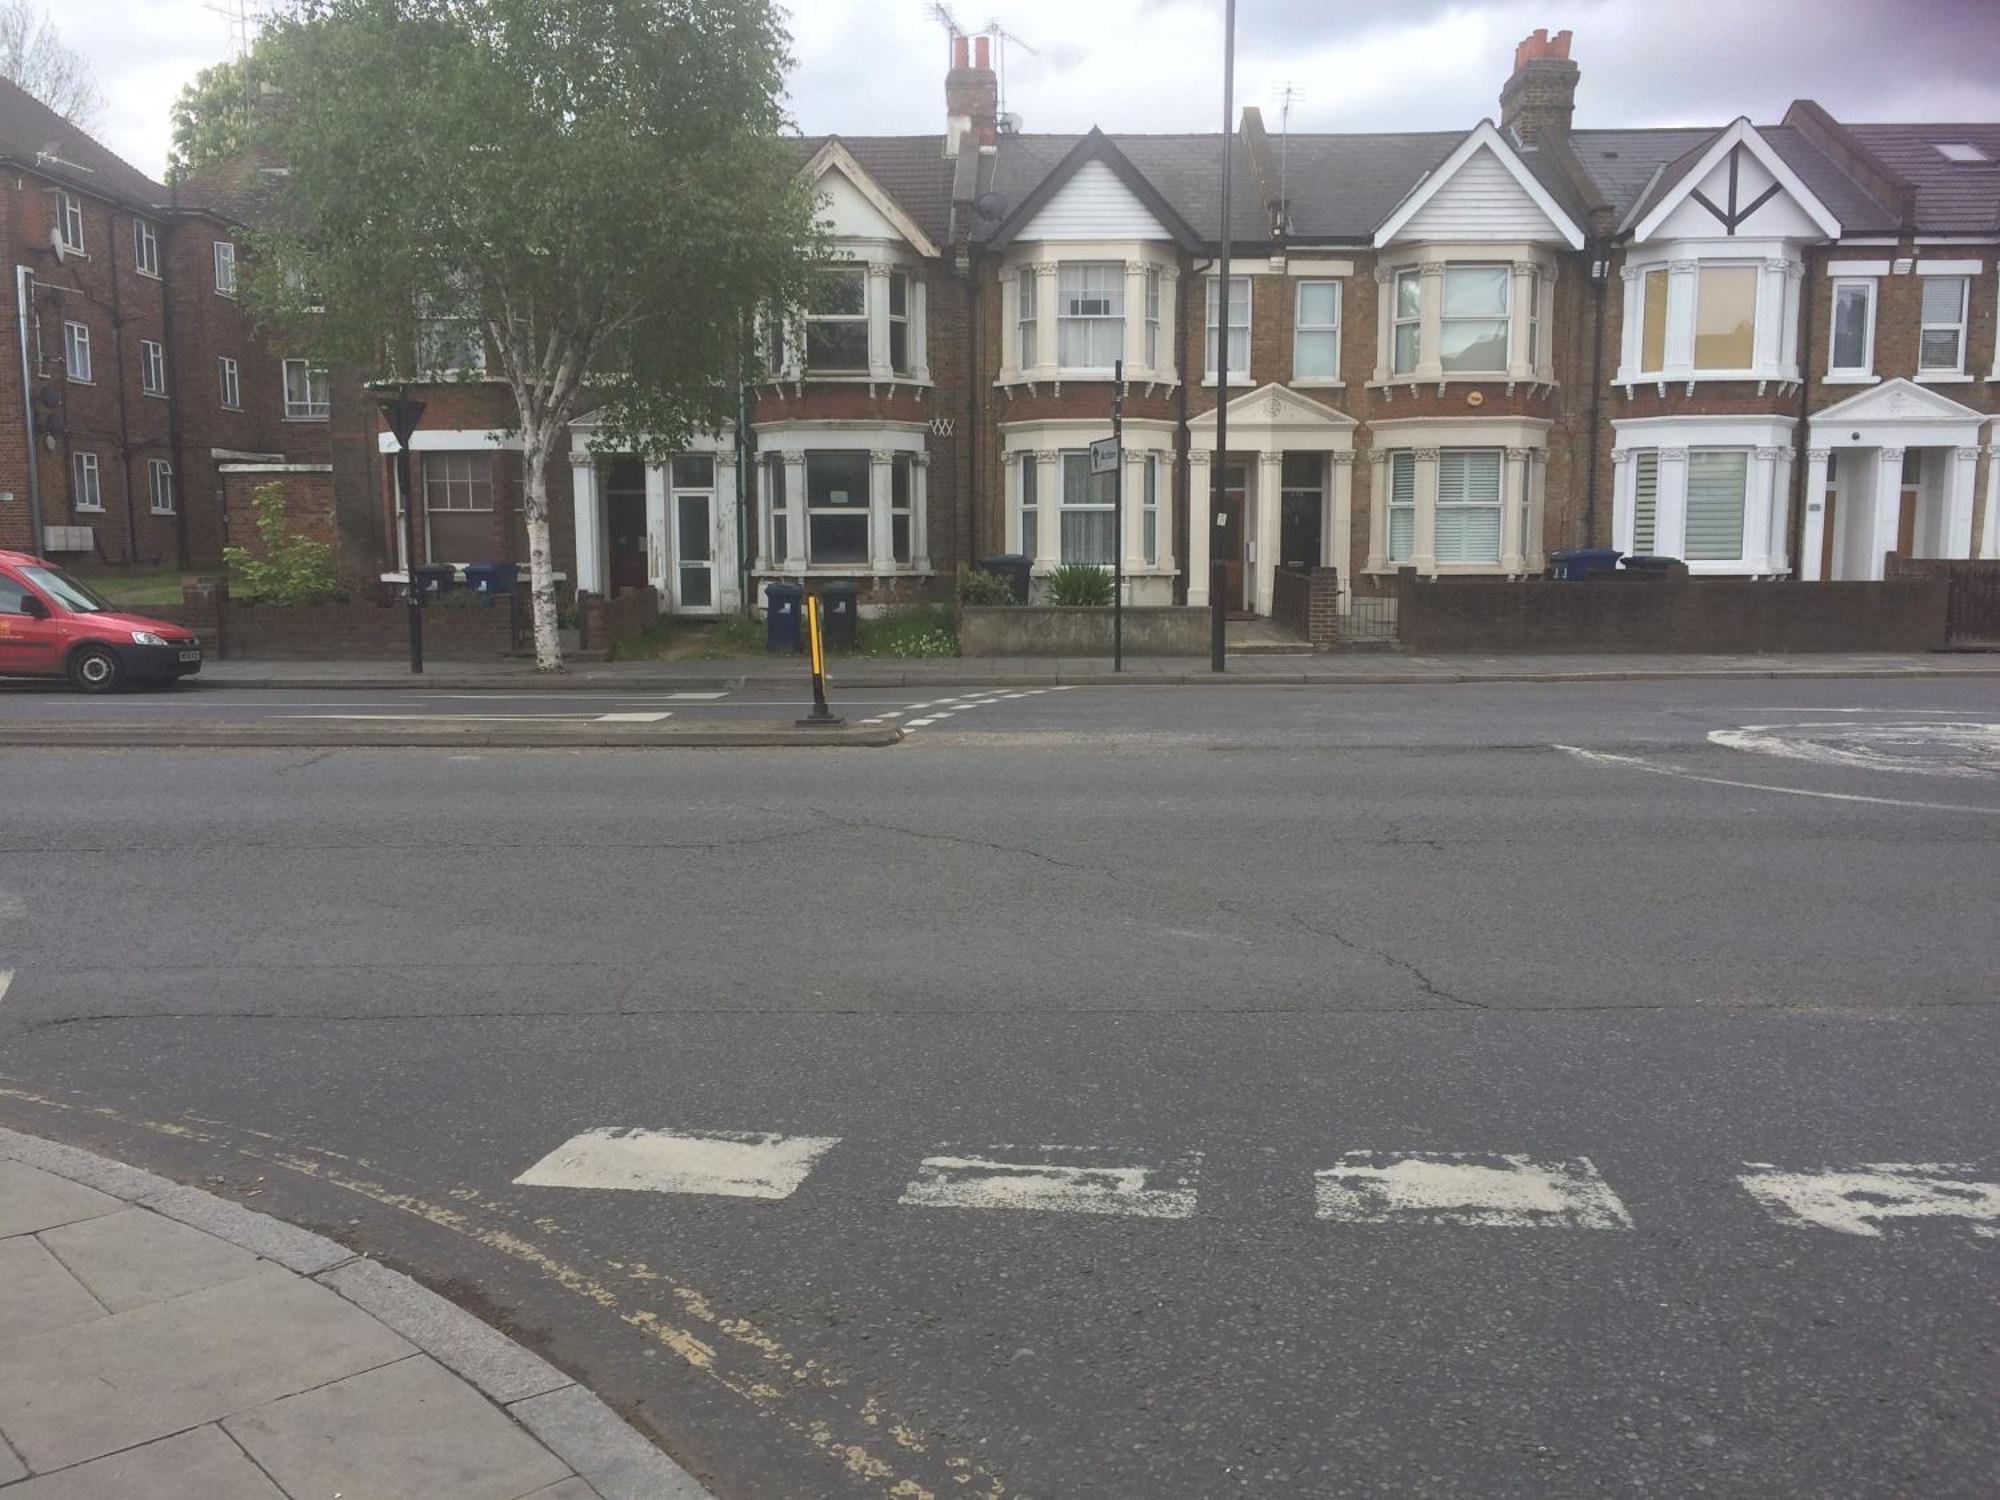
{"x": 834, "y": 156}
{"x": 911, "y": 169}
{"x": 1482, "y": 137}
{"x": 42, "y": 141}
{"x": 1681, "y": 179}
{"x": 1899, "y": 400}
{"x": 1097, "y": 146}
{"x": 1276, "y": 405}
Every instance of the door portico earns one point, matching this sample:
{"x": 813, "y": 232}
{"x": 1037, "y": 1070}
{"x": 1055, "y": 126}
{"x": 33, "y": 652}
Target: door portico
{"x": 690, "y": 550}
{"x": 1889, "y": 470}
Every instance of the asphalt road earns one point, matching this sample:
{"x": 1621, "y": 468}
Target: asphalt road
{"x": 1477, "y": 1091}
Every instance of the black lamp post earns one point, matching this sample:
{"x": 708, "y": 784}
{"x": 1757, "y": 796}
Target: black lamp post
{"x": 402, "y": 415}
{"x": 1219, "y": 469}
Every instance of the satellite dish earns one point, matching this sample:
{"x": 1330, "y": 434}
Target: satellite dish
{"x": 57, "y": 244}
{"x": 989, "y": 206}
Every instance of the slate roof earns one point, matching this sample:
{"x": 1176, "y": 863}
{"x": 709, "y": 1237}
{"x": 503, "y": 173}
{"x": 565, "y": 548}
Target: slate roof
{"x": 31, "y": 133}
{"x": 1623, "y": 163}
{"x": 1952, "y": 197}
{"x": 1186, "y": 170}
{"x": 1341, "y": 186}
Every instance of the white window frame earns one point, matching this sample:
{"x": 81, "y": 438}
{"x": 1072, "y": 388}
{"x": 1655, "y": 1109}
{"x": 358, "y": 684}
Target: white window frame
{"x": 1404, "y": 459}
{"x": 160, "y": 486}
{"x": 1030, "y": 505}
{"x": 1960, "y": 326}
{"x": 1834, "y": 368}
{"x": 86, "y": 491}
{"x": 1149, "y": 510}
{"x": 77, "y": 367}
{"x": 146, "y": 248}
{"x": 1074, "y": 292}
{"x": 1459, "y": 504}
{"x": 776, "y": 519}
{"x": 807, "y": 318}
{"x": 308, "y": 409}
{"x": 1096, "y": 505}
{"x": 1646, "y": 475}
{"x": 1152, "y": 340}
{"x": 152, "y": 368}
{"x": 1505, "y": 318}
{"x": 1027, "y": 328}
{"x": 1212, "y": 325}
{"x": 1721, "y": 372}
{"x": 225, "y": 268}
{"x": 1537, "y": 357}
{"x": 1399, "y": 320}
{"x": 902, "y": 506}
{"x": 1743, "y": 504}
{"x": 865, "y": 510}
{"x": 229, "y": 376}
{"x": 69, "y": 220}
{"x": 903, "y": 320}
{"x": 1300, "y": 327}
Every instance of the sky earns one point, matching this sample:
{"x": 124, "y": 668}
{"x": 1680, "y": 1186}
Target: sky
{"x": 877, "y": 66}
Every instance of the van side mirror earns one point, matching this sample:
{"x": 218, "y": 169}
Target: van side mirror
{"x": 33, "y": 607}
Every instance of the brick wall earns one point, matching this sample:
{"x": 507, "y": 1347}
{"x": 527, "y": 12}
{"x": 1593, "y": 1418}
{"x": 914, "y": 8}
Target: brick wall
{"x": 600, "y": 621}
{"x": 366, "y": 629}
{"x": 1306, "y": 601}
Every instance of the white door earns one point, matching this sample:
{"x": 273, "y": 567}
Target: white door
{"x": 694, "y": 552}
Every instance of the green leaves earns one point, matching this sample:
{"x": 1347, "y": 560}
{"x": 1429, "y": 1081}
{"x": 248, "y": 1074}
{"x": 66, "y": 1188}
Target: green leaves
{"x": 290, "y": 570}
{"x": 1080, "y": 583}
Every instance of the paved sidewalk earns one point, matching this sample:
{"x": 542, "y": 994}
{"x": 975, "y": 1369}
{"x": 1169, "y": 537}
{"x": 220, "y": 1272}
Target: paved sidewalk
{"x": 1358, "y": 669}
{"x": 160, "y": 1343}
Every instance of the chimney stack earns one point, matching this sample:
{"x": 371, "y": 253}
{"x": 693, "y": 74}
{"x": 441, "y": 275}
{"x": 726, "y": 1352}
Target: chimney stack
{"x": 971, "y": 94}
{"x": 1537, "y": 102}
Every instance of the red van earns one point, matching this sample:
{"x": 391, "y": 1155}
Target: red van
{"x": 53, "y": 625}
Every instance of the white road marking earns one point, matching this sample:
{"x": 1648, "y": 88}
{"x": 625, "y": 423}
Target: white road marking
{"x": 1080, "y": 1185}
{"x": 6, "y": 982}
{"x": 1466, "y": 1188}
{"x": 705, "y": 697}
{"x": 12, "y": 906}
{"x": 1633, "y": 763}
{"x": 653, "y": 718}
{"x": 725, "y": 1164}
{"x": 893, "y": 714}
{"x": 1974, "y": 747}
{"x": 1861, "y": 1200}
{"x": 447, "y": 718}
{"x": 919, "y": 723}
{"x": 1013, "y": 695}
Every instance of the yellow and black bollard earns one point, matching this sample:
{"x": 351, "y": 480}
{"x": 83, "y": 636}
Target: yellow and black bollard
{"x": 821, "y": 716}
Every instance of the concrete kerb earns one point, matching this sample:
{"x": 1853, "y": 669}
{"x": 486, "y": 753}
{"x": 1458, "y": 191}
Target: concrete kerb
{"x": 616, "y": 1462}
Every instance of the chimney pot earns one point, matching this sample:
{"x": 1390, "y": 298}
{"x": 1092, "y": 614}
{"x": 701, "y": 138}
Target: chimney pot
{"x": 959, "y": 52}
{"x": 983, "y": 51}
{"x": 1540, "y": 97}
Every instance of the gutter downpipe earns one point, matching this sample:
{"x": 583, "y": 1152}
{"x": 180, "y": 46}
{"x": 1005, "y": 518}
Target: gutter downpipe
{"x": 37, "y": 542}
{"x": 125, "y": 413}
{"x": 970, "y": 544}
{"x": 184, "y": 496}
{"x": 1795, "y": 533}
{"x": 1596, "y": 396}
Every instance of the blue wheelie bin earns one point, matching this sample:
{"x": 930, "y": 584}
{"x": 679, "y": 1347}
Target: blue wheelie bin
{"x": 491, "y": 578}
{"x": 1578, "y": 563}
{"x": 782, "y": 603}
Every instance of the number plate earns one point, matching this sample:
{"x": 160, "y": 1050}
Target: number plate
{"x": 190, "y": 656}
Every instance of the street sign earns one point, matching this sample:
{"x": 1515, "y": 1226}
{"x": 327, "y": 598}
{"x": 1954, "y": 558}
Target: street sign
{"x": 1104, "y": 456}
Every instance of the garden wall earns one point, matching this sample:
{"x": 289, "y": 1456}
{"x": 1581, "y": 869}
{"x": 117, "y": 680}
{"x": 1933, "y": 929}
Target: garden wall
{"x": 1064, "y": 630}
{"x": 357, "y": 630}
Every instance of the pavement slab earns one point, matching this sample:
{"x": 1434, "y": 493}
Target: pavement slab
{"x": 32, "y": 1200}
{"x": 200, "y": 1464}
{"x": 36, "y": 1293}
{"x": 132, "y": 1258}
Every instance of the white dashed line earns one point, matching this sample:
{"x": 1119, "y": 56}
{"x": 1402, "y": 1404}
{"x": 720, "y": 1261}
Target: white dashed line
{"x": 6, "y": 982}
{"x": 1065, "y": 1186}
{"x": 1466, "y": 1188}
{"x": 1862, "y": 1200}
{"x": 726, "y": 1164}
{"x": 691, "y": 697}
{"x": 652, "y": 718}
{"x": 919, "y": 723}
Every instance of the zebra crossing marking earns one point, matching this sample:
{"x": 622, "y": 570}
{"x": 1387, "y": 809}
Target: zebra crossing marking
{"x": 718, "y": 1163}
{"x": 1865, "y": 1200}
{"x": 1486, "y": 1190}
{"x": 1084, "y": 1183}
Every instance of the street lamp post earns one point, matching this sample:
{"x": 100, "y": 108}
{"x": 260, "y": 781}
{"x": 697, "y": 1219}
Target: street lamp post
{"x": 402, "y": 415}
{"x": 1219, "y": 468}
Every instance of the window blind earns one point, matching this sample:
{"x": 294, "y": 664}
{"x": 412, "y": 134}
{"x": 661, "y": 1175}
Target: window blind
{"x": 1468, "y": 508}
{"x": 1716, "y": 482}
{"x": 1645, "y": 501}
{"x": 1402, "y": 506}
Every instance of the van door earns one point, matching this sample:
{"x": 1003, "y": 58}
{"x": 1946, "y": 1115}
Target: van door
{"x": 30, "y": 644}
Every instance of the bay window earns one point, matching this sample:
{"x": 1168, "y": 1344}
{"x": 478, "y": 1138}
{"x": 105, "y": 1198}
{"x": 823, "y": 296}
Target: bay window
{"x": 1402, "y": 506}
{"x": 1090, "y": 314}
{"x": 837, "y": 321}
{"x": 1030, "y": 506}
{"x": 1852, "y": 345}
{"x": 1941, "y": 340}
{"x": 1468, "y": 505}
{"x": 901, "y": 489}
{"x": 1717, "y": 481}
{"x": 1149, "y": 512}
{"x": 1535, "y": 319}
{"x": 1088, "y": 529}
{"x": 1473, "y": 331}
{"x": 1653, "y": 328}
{"x": 1316, "y": 331}
{"x": 1152, "y": 318}
{"x": 1027, "y": 355}
{"x": 1725, "y": 318}
{"x": 899, "y": 322}
{"x": 837, "y": 506}
{"x": 1406, "y": 321}
{"x": 1239, "y": 328}
{"x": 1645, "y": 502}
{"x": 777, "y": 535}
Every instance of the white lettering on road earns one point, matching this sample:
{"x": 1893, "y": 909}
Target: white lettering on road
{"x": 727, "y": 1164}
{"x": 1466, "y": 1188}
{"x": 1862, "y": 1200}
{"x": 1082, "y": 1183}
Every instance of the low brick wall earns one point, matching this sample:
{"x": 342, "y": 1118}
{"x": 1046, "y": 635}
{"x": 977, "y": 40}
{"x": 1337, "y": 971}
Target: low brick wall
{"x": 600, "y": 621}
{"x": 1059, "y": 630}
{"x": 357, "y": 629}
{"x": 1306, "y": 601}
{"x": 1618, "y": 612}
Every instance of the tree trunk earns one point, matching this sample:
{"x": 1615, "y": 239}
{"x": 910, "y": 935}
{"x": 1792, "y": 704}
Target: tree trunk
{"x": 541, "y": 555}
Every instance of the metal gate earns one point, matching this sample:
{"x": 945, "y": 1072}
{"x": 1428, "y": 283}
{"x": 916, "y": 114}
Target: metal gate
{"x": 1370, "y": 622}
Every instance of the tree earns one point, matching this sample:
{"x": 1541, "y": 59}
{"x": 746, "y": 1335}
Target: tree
{"x": 34, "y": 55}
{"x": 596, "y": 188}
{"x": 211, "y": 118}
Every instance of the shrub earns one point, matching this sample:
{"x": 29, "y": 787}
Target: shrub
{"x": 292, "y": 569}
{"x": 910, "y": 630}
{"x": 977, "y": 586}
{"x": 1080, "y": 583}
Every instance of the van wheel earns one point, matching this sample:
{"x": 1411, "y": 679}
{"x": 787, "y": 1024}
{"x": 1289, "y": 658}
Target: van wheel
{"x": 96, "y": 670}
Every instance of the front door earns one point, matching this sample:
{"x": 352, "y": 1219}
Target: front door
{"x": 694, "y": 552}
{"x": 1827, "y": 551}
{"x": 1906, "y": 523}
{"x": 1232, "y": 541}
{"x": 626, "y": 515}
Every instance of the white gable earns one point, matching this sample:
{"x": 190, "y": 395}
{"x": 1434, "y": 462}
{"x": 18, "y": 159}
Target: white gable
{"x": 1779, "y": 218}
{"x": 1901, "y": 401}
{"x": 848, "y": 213}
{"x": 1276, "y": 406}
{"x": 1481, "y": 201}
{"x": 1094, "y": 205}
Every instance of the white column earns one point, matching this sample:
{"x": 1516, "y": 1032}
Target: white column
{"x": 1777, "y": 546}
{"x": 1670, "y": 500}
{"x": 1430, "y": 327}
{"x": 1045, "y": 321}
{"x": 1631, "y": 333}
{"x": 1520, "y": 300}
{"x": 1790, "y": 357}
{"x": 1538, "y": 499}
{"x": 1763, "y": 498}
{"x": 881, "y": 494}
{"x": 920, "y": 512}
{"x": 1270, "y": 507}
{"x": 1959, "y": 478}
{"x": 722, "y": 526}
{"x": 1989, "y": 528}
{"x": 1341, "y": 557}
{"x": 659, "y": 543}
{"x": 1513, "y": 501}
{"x": 760, "y": 474}
{"x": 1888, "y": 508}
{"x": 1010, "y": 323}
{"x": 878, "y": 322}
{"x": 1680, "y": 315}
{"x": 1170, "y": 303}
{"x": 795, "y": 510}
{"x": 1812, "y": 537}
{"x": 1378, "y": 510}
{"x": 1132, "y": 476}
{"x": 1765, "y": 353}
{"x": 1385, "y": 297}
{"x": 1201, "y": 521}
{"x": 1048, "y": 509}
{"x": 593, "y": 553}
{"x": 1423, "y": 549}
{"x": 1135, "y": 317}
{"x": 1624, "y": 501}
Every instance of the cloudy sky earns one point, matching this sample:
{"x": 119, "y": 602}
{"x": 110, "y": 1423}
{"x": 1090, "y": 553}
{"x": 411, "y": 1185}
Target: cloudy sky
{"x": 876, "y": 66}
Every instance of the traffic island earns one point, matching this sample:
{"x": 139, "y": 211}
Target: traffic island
{"x": 391, "y": 732}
